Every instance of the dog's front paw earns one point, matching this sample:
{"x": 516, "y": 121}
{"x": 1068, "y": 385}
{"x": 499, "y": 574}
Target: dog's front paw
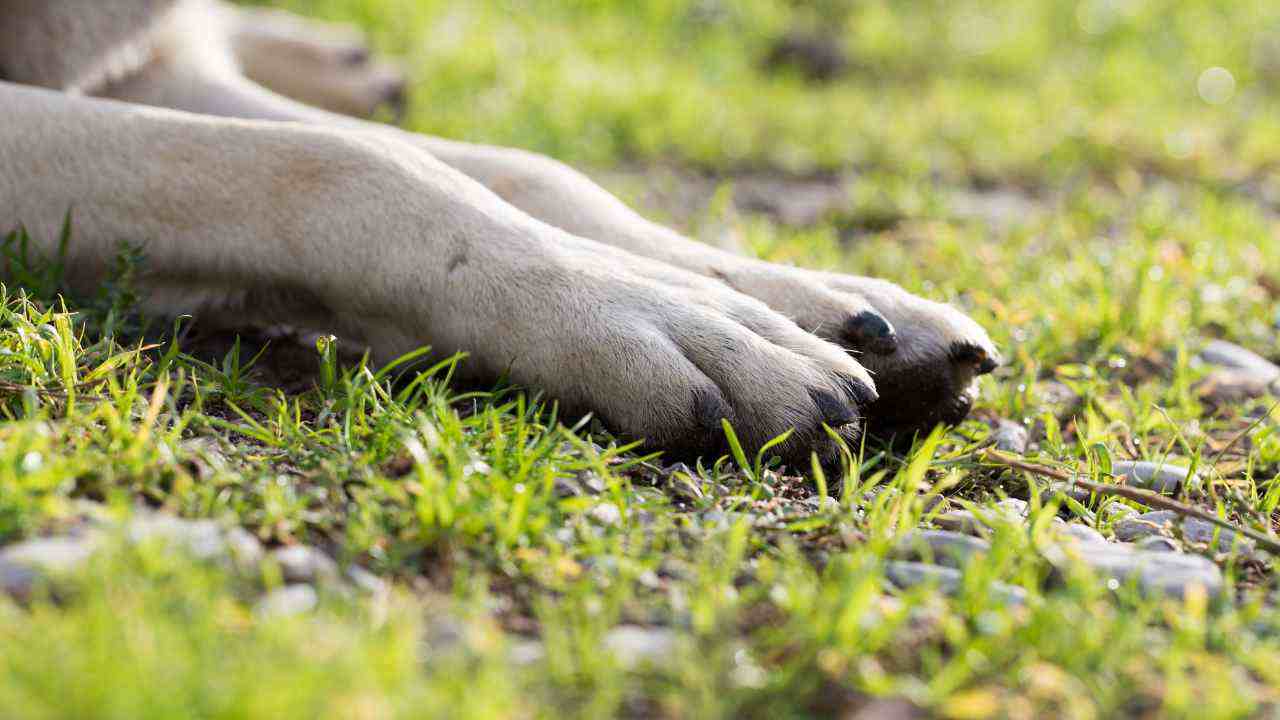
{"x": 325, "y": 65}
{"x": 664, "y": 355}
{"x": 925, "y": 356}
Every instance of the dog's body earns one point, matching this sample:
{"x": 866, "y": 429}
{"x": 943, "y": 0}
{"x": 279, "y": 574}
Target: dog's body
{"x": 144, "y": 118}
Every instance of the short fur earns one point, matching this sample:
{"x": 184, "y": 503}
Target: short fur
{"x": 254, "y": 208}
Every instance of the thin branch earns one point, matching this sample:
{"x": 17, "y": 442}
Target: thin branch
{"x": 1146, "y": 497}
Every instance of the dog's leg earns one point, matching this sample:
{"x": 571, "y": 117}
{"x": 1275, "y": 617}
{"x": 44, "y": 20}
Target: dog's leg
{"x": 925, "y": 355}
{"x": 281, "y": 222}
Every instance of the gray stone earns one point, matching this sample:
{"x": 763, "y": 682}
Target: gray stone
{"x": 1232, "y": 386}
{"x": 1010, "y": 436}
{"x": 606, "y": 514}
{"x": 288, "y": 600}
{"x": 1071, "y": 490}
{"x": 949, "y": 580}
{"x": 367, "y": 582}
{"x": 304, "y": 564}
{"x": 245, "y": 549}
{"x": 51, "y": 555}
{"x": 634, "y": 645}
{"x": 1162, "y": 477}
{"x": 18, "y": 581}
{"x": 1225, "y": 354}
{"x": 1157, "y": 543}
{"x": 1014, "y": 508}
{"x": 1193, "y": 530}
{"x": 1144, "y": 525}
{"x": 961, "y": 521}
{"x": 1080, "y": 533}
{"x": 941, "y": 547}
{"x": 202, "y": 538}
{"x": 1154, "y": 573}
{"x": 1203, "y": 532}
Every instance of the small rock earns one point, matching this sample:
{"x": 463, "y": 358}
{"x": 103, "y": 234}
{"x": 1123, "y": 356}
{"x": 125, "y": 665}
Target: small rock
{"x": 911, "y": 574}
{"x": 1071, "y": 490}
{"x": 592, "y": 481}
{"x": 1014, "y": 508}
{"x": 567, "y": 487}
{"x": 1161, "y": 477}
{"x": 634, "y": 645}
{"x": 941, "y": 547}
{"x": 288, "y": 600}
{"x": 606, "y": 514}
{"x": 366, "y": 582}
{"x": 526, "y": 653}
{"x": 961, "y": 521}
{"x": 26, "y": 564}
{"x": 246, "y": 550}
{"x": 1203, "y": 532}
{"x": 1194, "y": 530}
{"x": 204, "y": 539}
{"x": 1155, "y": 573}
{"x": 1225, "y": 354}
{"x": 1144, "y": 525}
{"x": 1010, "y": 436}
{"x": 17, "y": 581}
{"x": 1081, "y": 533}
{"x": 304, "y": 564}
{"x": 1225, "y": 386}
{"x": 818, "y": 56}
{"x": 1157, "y": 543}
{"x": 52, "y": 555}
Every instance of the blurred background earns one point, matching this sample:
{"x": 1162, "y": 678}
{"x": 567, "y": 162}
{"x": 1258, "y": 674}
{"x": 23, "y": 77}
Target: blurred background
{"x": 964, "y": 90}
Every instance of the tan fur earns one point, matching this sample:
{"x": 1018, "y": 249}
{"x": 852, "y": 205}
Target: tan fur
{"x": 254, "y": 208}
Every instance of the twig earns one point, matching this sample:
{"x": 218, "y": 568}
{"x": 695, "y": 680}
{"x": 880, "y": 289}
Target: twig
{"x": 1146, "y": 497}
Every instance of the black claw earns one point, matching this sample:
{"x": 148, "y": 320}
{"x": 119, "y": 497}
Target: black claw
{"x": 868, "y": 330}
{"x": 858, "y": 390}
{"x": 981, "y": 358}
{"x": 709, "y": 409}
{"x": 355, "y": 56}
{"x": 834, "y": 413}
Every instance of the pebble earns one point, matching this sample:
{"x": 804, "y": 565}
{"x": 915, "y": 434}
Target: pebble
{"x": 606, "y": 514}
{"x": 960, "y": 521}
{"x": 1228, "y": 355}
{"x": 911, "y": 574}
{"x": 288, "y": 600}
{"x": 1233, "y": 386}
{"x": 634, "y": 645}
{"x": 1081, "y": 533}
{"x": 1238, "y": 374}
{"x": 1158, "y": 543}
{"x": 304, "y": 564}
{"x": 941, "y": 547}
{"x": 1155, "y": 573}
{"x": 26, "y": 564}
{"x": 1194, "y": 530}
{"x": 1162, "y": 477}
{"x": 1141, "y": 526}
{"x": 1011, "y": 437}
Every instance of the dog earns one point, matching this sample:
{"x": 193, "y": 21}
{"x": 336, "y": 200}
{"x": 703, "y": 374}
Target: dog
{"x": 224, "y": 141}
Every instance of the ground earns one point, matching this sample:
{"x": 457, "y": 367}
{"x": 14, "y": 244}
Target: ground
{"x": 1092, "y": 181}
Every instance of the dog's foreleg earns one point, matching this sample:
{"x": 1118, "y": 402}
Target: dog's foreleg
{"x": 385, "y": 244}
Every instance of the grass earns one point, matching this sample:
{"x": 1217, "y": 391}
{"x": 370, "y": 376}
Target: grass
{"x": 1146, "y": 225}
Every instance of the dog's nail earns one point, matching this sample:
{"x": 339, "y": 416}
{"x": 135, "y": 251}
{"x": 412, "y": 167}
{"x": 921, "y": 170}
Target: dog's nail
{"x": 983, "y": 359}
{"x": 868, "y": 330}
{"x": 355, "y": 56}
{"x": 834, "y": 412}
